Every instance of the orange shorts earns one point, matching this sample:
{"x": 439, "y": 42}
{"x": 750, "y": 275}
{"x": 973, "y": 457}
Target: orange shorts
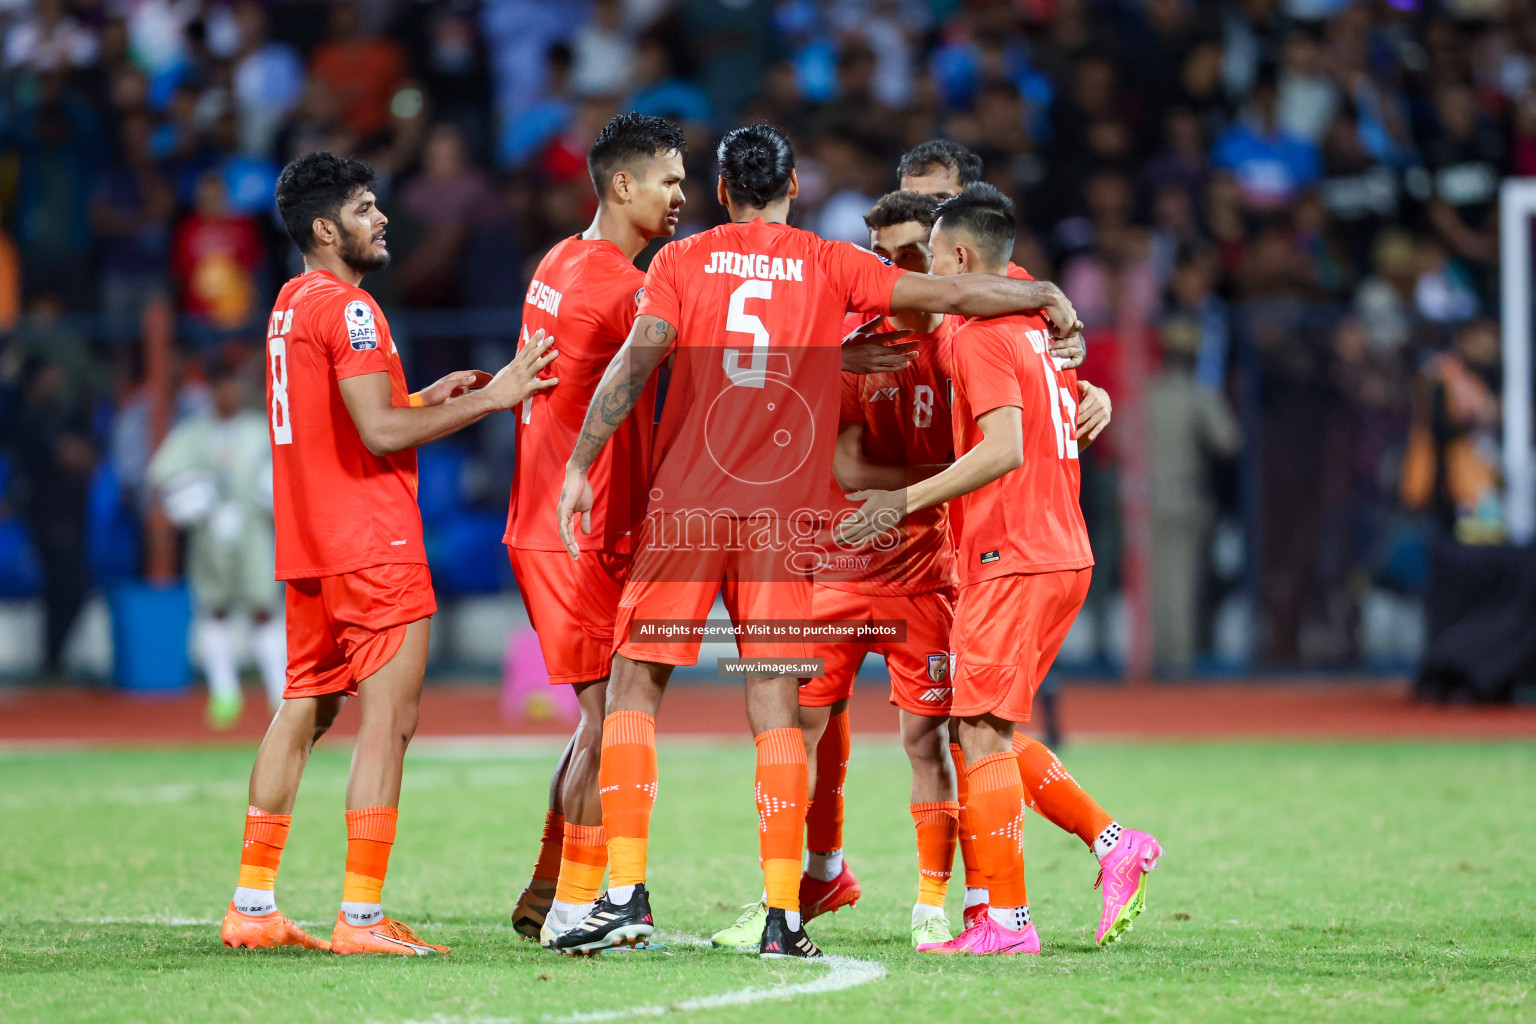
{"x": 343, "y": 629}
{"x": 572, "y": 606}
{"x": 1006, "y": 636}
{"x": 919, "y": 666}
{"x": 680, "y": 582}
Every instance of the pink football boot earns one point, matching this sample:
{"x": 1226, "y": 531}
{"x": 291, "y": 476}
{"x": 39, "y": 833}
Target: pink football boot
{"x": 1123, "y": 881}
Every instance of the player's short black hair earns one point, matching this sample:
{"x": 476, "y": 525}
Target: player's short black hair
{"x": 927, "y": 157}
{"x": 316, "y": 185}
{"x": 985, "y": 215}
{"x": 755, "y": 164}
{"x": 901, "y": 207}
{"x": 628, "y": 138}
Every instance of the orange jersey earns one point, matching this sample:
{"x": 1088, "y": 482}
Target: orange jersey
{"x": 1028, "y": 520}
{"x": 338, "y": 507}
{"x": 907, "y": 422}
{"x": 584, "y": 294}
{"x": 750, "y": 420}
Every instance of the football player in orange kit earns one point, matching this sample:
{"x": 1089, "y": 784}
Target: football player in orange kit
{"x": 743, "y": 454}
{"x": 1024, "y": 563}
{"x": 585, "y": 293}
{"x": 344, "y": 431}
{"x": 942, "y": 168}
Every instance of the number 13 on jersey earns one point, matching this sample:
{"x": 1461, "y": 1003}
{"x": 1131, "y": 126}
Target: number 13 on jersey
{"x": 277, "y": 366}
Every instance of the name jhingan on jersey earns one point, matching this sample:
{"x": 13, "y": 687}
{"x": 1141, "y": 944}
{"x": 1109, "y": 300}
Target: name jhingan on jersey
{"x": 748, "y": 264}
{"x": 542, "y": 296}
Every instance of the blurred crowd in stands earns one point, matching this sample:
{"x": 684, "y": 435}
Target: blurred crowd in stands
{"x": 1277, "y": 219}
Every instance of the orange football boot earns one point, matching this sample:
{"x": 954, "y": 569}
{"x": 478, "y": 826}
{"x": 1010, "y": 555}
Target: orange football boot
{"x": 244, "y": 931}
{"x": 388, "y": 936}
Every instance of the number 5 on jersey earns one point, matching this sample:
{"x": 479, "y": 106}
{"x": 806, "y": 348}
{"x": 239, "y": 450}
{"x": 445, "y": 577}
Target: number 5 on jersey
{"x": 277, "y": 365}
{"x": 739, "y": 321}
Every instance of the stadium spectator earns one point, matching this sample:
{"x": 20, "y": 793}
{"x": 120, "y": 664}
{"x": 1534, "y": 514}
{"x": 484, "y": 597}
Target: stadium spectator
{"x": 1190, "y": 426}
{"x": 54, "y": 454}
{"x": 131, "y": 210}
{"x": 216, "y": 256}
{"x": 213, "y": 475}
{"x": 268, "y": 80}
{"x": 360, "y": 69}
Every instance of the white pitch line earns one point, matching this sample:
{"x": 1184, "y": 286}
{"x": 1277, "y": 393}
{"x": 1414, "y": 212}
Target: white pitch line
{"x": 846, "y": 972}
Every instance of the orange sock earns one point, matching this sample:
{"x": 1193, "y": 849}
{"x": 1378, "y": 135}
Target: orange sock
{"x": 973, "y": 876}
{"x": 996, "y": 798}
{"x": 370, "y": 836}
{"x": 938, "y": 825}
{"x": 583, "y": 858}
{"x": 783, "y": 781}
{"x": 546, "y": 870}
{"x": 824, "y": 818}
{"x": 627, "y": 778}
{"x": 265, "y": 836}
{"x": 1055, "y": 794}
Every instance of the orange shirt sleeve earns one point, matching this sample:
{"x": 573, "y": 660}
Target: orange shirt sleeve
{"x": 985, "y": 365}
{"x": 864, "y": 279}
{"x": 660, "y": 299}
{"x": 352, "y": 336}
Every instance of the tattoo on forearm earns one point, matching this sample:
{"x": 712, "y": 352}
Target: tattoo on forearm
{"x": 617, "y": 403}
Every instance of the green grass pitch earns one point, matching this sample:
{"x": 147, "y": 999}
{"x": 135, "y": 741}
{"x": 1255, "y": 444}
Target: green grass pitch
{"x": 1302, "y": 882}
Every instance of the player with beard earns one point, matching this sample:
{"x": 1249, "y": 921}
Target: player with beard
{"x": 941, "y": 168}
{"x": 586, "y": 291}
{"x": 344, "y": 430}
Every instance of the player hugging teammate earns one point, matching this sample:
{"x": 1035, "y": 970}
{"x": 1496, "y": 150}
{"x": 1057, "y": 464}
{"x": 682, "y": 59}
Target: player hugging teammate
{"x": 611, "y": 528}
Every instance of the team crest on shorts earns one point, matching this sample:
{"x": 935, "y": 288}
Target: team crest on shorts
{"x": 939, "y": 666}
{"x": 361, "y": 330}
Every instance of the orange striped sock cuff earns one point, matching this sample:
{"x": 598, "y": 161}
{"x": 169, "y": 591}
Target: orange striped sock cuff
{"x": 922, "y": 812}
{"x": 780, "y": 746}
{"x": 376, "y": 824}
{"x": 267, "y": 829}
{"x": 582, "y": 862}
{"x": 629, "y": 727}
{"x": 588, "y": 843}
{"x": 993, "y": 772}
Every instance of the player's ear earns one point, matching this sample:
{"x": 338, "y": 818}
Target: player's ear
{"x": 324, "y": 231}
{"x": 620, "y": 184}
{"x": 721, "y": 193}
{"x": 794, "y": 185}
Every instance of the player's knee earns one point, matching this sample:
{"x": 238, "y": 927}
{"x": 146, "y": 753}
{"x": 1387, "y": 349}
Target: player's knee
{"x": 928, "y": 749}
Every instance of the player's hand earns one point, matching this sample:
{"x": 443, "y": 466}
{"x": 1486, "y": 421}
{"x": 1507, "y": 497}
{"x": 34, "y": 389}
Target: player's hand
{"x": 457, "y": 383}
{"x": 520, "y": 378}
{"x": 881, "y": 512}
{"x": 1094, "y": 412}
{"x": 866, "y": 350}
{"x": 1063, "y": 316}
{"x": 575, "y": 500}
{"x": 1069, "y": 351}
